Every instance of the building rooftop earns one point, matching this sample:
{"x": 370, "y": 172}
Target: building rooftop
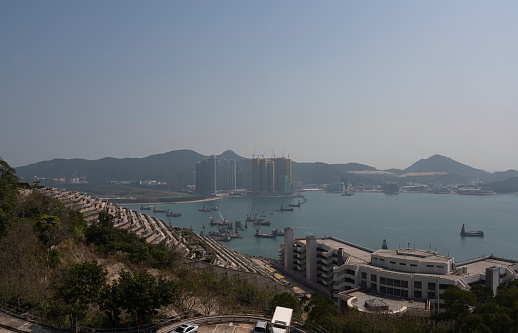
{"x": 355, "y": 251}
{"x": 414, "y": 254}
{"x": 479, "y": 265}
{"x": 395, "y": 304}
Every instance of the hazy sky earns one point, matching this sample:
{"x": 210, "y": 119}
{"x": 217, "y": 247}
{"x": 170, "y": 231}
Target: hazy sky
{"x": 384, "y": 83}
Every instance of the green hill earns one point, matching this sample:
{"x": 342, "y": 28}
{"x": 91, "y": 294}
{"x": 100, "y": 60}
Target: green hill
{"x": 174, "y": 167}
{"x": 323, "y": 173}
{"x": 503, "y": 175}
{"x": 439, "y": 163}
{"x": 507, "y": 186}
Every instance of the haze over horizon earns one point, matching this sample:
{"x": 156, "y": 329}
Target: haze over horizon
{"x": 378, "y": 83}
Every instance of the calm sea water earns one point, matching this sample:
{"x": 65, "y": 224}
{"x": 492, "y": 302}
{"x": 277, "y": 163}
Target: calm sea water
{"x": 425, "y": 221}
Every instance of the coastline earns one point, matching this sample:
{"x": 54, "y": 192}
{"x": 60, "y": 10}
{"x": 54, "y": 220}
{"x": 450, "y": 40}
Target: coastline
{"x": 174, "y": 202}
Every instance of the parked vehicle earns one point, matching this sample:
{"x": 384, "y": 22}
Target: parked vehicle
{"x": 262, "y": 326}
{"x": 281, "y": 320}
{"x": 186, "y": 328}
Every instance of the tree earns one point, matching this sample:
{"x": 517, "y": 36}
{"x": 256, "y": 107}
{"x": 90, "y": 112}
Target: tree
{"x": 483, "y": 294}
{"x": 286, "y": 300}
{"x": 79, "y": 286}
{"x": 20, "y": 266}
{"x": 46, "y": 226}
{"x": 323, "y": 310}
{"x": 458, "y": 303}
{"x": 210, "y": 298}
{"x": 8, "y": 196}
{"x": 111, "y": 302}
{"x": 189, "y": 291}
{"x": 141, "y": 295}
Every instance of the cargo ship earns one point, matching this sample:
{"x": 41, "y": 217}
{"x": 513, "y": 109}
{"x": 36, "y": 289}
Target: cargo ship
{"x": 262, "y": 223}
{"x": 208, "y": 209}
{"x": 478, "y": 233}
{"x": 285, "y": 209}
{"x": 171, "y": 214}
{"x": 259, "y": 234}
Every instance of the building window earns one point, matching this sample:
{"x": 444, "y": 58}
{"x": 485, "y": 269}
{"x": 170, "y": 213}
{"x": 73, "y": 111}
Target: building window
{"x": 364, "y": 275}
{"x": 373, "y": 277}
{"x": 443, "y": 286}
{"x": 397, "y": 283}
{"x": 402, "y": 264}
{"x": 374, "y": 286}
{"x": 383, "y": 280}
{"x": 418, "y": 294}
{"x": 431, "y": 286}
{"x": 382, "y": 260}
{"x": 429, "y": 266}
{"x": 404, "y": 293}
{"x": 390, "y": 282}
{"x": 418, "y": 285}
{"x": 404, "y": 284}
{"x": 383, "y": 289}
{"x": 413, "y": 265}
{"x": 392, "y": 262}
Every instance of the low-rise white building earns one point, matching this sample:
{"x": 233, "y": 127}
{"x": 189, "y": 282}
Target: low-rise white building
{"x": 401, "y": 273}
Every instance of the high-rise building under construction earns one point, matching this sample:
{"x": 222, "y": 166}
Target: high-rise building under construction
{"x": 262, "y": 176}
{"x": 271, "y": 176}
{"x": 282, "y": 175}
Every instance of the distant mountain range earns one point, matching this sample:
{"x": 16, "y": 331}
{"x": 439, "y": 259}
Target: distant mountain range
{"x": 175, "y": 168}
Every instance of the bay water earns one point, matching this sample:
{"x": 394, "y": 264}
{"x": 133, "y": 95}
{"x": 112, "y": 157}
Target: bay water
{"x": 423, "y": 221}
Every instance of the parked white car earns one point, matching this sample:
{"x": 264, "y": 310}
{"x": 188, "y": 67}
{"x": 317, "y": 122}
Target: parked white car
{"x": 186, "y": 328}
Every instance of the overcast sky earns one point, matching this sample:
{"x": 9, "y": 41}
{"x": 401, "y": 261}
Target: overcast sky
{"x": 383, "y": 83}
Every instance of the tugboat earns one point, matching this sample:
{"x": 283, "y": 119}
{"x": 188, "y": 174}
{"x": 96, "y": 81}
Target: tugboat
{"x": 142, "y": 207}
{"x": 222, "y": 239}
{"x": 478, "y": 233}
{"x": 239, "y": 226}
{"x": 347, "y": 193}
{"x": 279, "y": 233}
